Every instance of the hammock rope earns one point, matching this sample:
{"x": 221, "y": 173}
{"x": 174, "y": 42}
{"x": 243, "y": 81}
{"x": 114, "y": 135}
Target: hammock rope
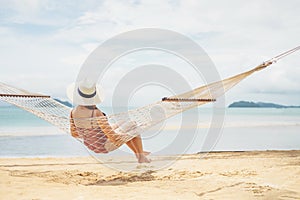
{"x": 105, "y": 134}
{"x": 284, "y": 54}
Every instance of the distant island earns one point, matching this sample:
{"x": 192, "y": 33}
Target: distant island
{"x": 249, "y": 104}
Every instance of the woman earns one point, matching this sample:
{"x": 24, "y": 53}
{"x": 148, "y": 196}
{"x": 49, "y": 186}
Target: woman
{"x": 91, "y": 126}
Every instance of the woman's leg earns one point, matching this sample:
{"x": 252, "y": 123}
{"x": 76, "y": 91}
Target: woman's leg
{"x": 131, "y": 144}
{"x": 136, "y": 145}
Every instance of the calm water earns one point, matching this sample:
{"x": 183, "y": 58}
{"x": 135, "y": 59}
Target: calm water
{"x": 24, "y": 135}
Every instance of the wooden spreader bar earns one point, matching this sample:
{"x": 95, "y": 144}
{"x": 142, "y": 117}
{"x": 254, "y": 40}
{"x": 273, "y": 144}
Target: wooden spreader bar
{"x": 24, "y": 95}
{"x": 186, "y": 100}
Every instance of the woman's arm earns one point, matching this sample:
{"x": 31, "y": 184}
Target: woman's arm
{"x": 73, "y": 129}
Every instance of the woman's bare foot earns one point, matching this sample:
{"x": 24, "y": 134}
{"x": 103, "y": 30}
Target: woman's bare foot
{"x": 146, "y": 153}
{"x": 143, "y": 159}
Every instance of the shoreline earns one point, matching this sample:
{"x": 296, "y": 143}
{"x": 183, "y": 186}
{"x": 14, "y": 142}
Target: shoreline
{"x": 156, "y": 155}
{"x": 271, "y": 174}
{"x": 103, "y": 158}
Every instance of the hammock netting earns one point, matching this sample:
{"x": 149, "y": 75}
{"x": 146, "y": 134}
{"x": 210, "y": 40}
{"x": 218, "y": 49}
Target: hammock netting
{"x": 110, "y": 132}
{"x": 104, "y": 134}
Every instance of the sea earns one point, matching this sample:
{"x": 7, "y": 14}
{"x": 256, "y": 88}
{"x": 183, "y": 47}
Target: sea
{"x": 198, "y": 130}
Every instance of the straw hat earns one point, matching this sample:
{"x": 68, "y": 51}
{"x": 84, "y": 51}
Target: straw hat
{"x": 85, "y": 93}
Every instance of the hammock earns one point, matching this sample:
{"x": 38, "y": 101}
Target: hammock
{"x": 126, "y": 125}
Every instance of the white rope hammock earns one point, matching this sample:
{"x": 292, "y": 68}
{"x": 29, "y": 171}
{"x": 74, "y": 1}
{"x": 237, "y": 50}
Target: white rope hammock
{"x": 110, "y": 132}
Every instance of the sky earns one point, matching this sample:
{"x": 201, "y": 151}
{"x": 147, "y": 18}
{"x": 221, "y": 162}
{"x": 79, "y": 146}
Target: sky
{"x": 43, "y": 44}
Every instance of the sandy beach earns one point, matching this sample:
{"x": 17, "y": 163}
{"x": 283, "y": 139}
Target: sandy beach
{"x": 219, "y": 175}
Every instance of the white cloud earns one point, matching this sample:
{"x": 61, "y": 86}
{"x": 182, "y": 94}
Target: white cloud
{"x": 50, "y": 39}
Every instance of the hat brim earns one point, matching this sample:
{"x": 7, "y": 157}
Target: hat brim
{"x": 76, "y": 99}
